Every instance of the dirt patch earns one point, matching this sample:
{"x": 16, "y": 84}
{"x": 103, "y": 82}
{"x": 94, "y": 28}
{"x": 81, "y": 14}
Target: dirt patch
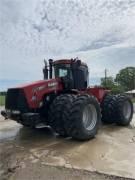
{"x": 6, "y": 162}
{"x": 44, "y": 172}
{"x": 40, "y": 154}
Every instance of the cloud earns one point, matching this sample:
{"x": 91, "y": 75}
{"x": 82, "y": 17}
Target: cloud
{"x": 91, "y": 30}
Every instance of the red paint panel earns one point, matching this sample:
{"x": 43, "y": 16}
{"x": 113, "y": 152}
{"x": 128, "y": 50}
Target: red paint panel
{"x": 98, "y": 92}
{"x": 35, "y": 91}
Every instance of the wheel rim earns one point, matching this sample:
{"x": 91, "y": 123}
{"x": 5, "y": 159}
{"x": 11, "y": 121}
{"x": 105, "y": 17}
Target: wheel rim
{"x": 89, "y": 117}
{"x": 127, "y": 110}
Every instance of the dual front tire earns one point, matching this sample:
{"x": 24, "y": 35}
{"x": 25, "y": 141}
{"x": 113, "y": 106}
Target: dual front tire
{"x": 59, "y": 112}
{"x": 84, "y": 119}
{"x": 75, "y": 116}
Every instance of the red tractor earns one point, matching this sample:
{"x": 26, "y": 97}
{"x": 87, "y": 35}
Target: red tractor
{"x": 64, "y": 101}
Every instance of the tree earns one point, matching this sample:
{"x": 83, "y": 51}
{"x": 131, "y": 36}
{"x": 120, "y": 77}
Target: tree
{"x": 126, "y": 78}
{"x": 107, "y": 82}
{"x": 117, "y": 89}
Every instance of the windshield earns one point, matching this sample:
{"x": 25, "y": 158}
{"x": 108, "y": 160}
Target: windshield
{"x": 62, "y": 70}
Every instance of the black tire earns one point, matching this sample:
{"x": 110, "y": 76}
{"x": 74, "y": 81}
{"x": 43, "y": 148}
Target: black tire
{"x": 108, "y": 109}
{"x": 76, "y": 127}
{"x": 58, "y": 109}
{"x": 123, "y": 110}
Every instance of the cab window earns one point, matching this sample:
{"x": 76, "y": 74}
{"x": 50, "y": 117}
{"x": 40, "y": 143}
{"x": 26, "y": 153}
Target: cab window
{"x": 63, "y": 72}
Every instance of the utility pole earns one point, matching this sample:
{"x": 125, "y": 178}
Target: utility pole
{"x": 105, "y": 77}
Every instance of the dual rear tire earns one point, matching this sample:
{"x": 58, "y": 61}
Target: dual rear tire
{"x": 117, "y": 109}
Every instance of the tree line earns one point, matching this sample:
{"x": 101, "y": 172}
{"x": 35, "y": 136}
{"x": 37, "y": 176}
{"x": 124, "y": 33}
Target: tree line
{"x": 3, "y": 93}
{"x": 122, "y": 82}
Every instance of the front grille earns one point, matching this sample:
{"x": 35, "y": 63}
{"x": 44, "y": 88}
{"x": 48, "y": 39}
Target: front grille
{"x": 16, "y": 100}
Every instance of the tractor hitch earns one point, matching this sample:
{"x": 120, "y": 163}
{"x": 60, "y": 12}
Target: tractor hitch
{"x": 11, "y": 114}
{"x": 4, "y": 114}
{"x": 29, "y": 119}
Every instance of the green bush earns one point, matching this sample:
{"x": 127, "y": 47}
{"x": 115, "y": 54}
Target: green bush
{"x": 2, "y": 100}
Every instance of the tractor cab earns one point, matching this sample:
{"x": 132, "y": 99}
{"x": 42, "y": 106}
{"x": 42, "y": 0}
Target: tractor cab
{"x": 73, "y": 73}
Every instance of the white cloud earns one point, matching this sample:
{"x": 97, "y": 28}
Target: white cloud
{"x": 36, "y": 29}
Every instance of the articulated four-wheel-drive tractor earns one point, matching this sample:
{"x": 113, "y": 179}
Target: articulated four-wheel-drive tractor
{"x": 64, "y": 101}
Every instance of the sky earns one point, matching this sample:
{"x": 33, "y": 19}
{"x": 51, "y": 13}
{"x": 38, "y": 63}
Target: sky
{"x": 101, "y": 33}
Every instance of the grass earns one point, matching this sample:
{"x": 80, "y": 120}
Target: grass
{"x": 2, "y": 100}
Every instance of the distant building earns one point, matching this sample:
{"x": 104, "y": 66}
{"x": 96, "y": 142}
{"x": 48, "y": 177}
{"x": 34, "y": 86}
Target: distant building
{"x": 131, "y": 93}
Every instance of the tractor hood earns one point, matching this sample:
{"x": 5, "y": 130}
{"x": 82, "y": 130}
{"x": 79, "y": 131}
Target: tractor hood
{"x": 31, "y": 94}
